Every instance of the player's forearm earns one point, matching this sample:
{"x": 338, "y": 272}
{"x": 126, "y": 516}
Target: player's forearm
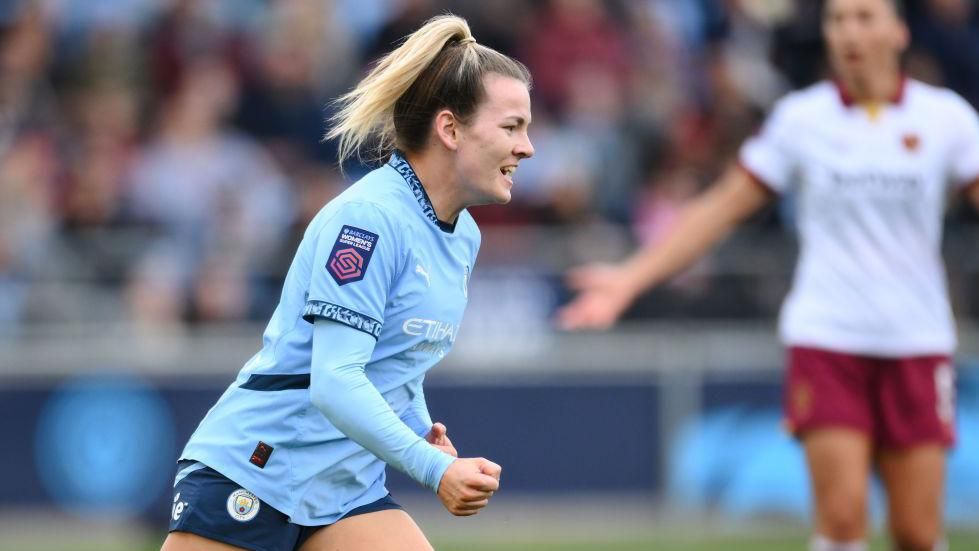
{"x": 696, "y": 232}
{"x": 352, "y": 404}
{"x": 705, "y": 222}
{"x": 340, "y": 389}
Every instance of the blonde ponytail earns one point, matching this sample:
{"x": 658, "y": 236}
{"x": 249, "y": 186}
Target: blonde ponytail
{"x": 368, "y": 109}
{"x": 439, "y": 66}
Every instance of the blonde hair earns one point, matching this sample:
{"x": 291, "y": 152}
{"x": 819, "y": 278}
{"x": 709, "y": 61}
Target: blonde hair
{"x": 438, "y": 66}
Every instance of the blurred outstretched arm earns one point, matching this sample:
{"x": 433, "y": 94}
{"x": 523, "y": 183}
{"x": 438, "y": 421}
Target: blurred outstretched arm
{"x": 606, "y": 291}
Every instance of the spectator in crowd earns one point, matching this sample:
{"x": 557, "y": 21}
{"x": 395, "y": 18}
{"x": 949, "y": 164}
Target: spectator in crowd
{"x": 99, "y": 96}
{"x": 208, "y": 189}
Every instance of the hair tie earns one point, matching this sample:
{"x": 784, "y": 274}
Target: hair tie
{"x": 467, "y": 40}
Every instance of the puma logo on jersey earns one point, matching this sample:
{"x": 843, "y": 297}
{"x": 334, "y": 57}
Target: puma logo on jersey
{"x": 420, "y": 270}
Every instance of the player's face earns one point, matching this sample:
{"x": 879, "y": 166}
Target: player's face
{"x": 863, "y": 35}
{"x": 494, "y": 141}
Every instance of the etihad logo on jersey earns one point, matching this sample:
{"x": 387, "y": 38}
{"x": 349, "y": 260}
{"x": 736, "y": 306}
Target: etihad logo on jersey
{"x": 438, "y": 335}
{"x": 433, "y": 330}
{"x": 877, "y": 182}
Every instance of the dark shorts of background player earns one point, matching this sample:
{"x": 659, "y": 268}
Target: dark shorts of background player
{"x": 202, "y": 497}
{"x": 898, "y": 402}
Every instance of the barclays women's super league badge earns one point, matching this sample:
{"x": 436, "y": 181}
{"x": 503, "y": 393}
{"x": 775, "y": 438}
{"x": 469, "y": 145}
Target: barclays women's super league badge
{"x": 351, "y": 254}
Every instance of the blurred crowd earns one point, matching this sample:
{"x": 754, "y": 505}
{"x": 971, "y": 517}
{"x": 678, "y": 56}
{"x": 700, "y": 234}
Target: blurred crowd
{"x": 159, "y": 159}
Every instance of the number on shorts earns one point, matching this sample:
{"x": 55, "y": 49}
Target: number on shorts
{"x": 945, "y": 392}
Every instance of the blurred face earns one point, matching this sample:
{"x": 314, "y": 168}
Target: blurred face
{"x": 495, "y": 141}
{"x": 863, "y": 36}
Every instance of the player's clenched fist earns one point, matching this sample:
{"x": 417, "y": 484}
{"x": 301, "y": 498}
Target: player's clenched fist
{"x": 468, "y": 484}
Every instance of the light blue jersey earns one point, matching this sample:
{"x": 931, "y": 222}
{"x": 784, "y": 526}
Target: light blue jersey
{"x": 375, "y": 263}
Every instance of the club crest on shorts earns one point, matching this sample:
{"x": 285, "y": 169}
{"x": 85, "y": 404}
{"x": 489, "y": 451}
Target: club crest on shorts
{"x": 243, "y": 505}
{"x": 801, "y": 400}
{"x": 351, "y": 254}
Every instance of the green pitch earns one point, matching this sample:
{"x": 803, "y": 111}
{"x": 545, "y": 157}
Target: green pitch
{"x": 760, "y": 543}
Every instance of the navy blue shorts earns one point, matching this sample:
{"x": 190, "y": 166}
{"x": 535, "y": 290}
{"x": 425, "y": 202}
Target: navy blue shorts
{"x": 209, "y": 505}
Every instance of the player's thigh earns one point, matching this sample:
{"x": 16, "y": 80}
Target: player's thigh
{"x": 185, "y": 541}
{"x": 915, "y": 480}
{"x": 389, "y": 530}
{"x": 839, "y": 462}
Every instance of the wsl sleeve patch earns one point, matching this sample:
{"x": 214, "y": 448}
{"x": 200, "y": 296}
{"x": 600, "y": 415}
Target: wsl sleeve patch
{"x": 351, "y": 254}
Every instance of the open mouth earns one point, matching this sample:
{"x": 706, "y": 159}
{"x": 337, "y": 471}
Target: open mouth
{"x": 508, "y": 171}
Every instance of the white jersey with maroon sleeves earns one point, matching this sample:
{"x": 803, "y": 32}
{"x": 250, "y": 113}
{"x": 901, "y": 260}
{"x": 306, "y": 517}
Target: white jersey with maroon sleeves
{"x": 871, "y": 185}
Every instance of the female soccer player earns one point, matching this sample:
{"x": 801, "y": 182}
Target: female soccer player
{"x": 292, "y": 456}
{"x": 867, "y": 324}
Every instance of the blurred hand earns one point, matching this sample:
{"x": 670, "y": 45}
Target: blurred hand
{"x": 439, "y": 438}
{"x": 468, "y": 484}
{"x": 604, "y": 294}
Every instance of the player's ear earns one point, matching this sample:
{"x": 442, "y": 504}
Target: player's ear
{"x": 447, "y": 129}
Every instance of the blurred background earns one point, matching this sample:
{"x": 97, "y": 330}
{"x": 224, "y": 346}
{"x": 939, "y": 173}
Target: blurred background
{"x": 159, "y": 160}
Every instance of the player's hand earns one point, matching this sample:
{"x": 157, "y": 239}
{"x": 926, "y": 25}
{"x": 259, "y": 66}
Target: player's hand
{"x": 439, "y": 438}
{"x": 468, "y": 484}
{"x": 603, "y": 295}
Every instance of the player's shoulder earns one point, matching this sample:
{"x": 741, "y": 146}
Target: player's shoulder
{"x": 921, "y": 95}
{"x": 372, "y": 204}
{"x": 379, "y": 194}
{"x": 383, "y": 189}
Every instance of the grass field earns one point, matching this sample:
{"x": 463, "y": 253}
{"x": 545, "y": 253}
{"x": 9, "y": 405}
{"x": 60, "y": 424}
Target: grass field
{"x": 786, "y": 543}
{"x": 566, "y": 523}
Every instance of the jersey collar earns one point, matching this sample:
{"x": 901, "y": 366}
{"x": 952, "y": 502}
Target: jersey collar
{"x": 849, "y": 101}
{"x": 400, "y": 163}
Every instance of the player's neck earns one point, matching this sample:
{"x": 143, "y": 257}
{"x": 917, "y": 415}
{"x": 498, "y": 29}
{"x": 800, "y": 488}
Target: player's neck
{"x": 442, "y": 191}
{"x": 880, "y": 87}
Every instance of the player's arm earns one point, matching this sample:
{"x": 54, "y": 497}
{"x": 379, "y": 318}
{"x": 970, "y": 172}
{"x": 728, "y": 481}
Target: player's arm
{"x": 358, "y": 254}
{"x": 357, "y": 259}
{"x": 704, "y": 222}
{"x": 605, "y": 291}
{"x": 339, "y": 388}
{"x": 963, "y": 125}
